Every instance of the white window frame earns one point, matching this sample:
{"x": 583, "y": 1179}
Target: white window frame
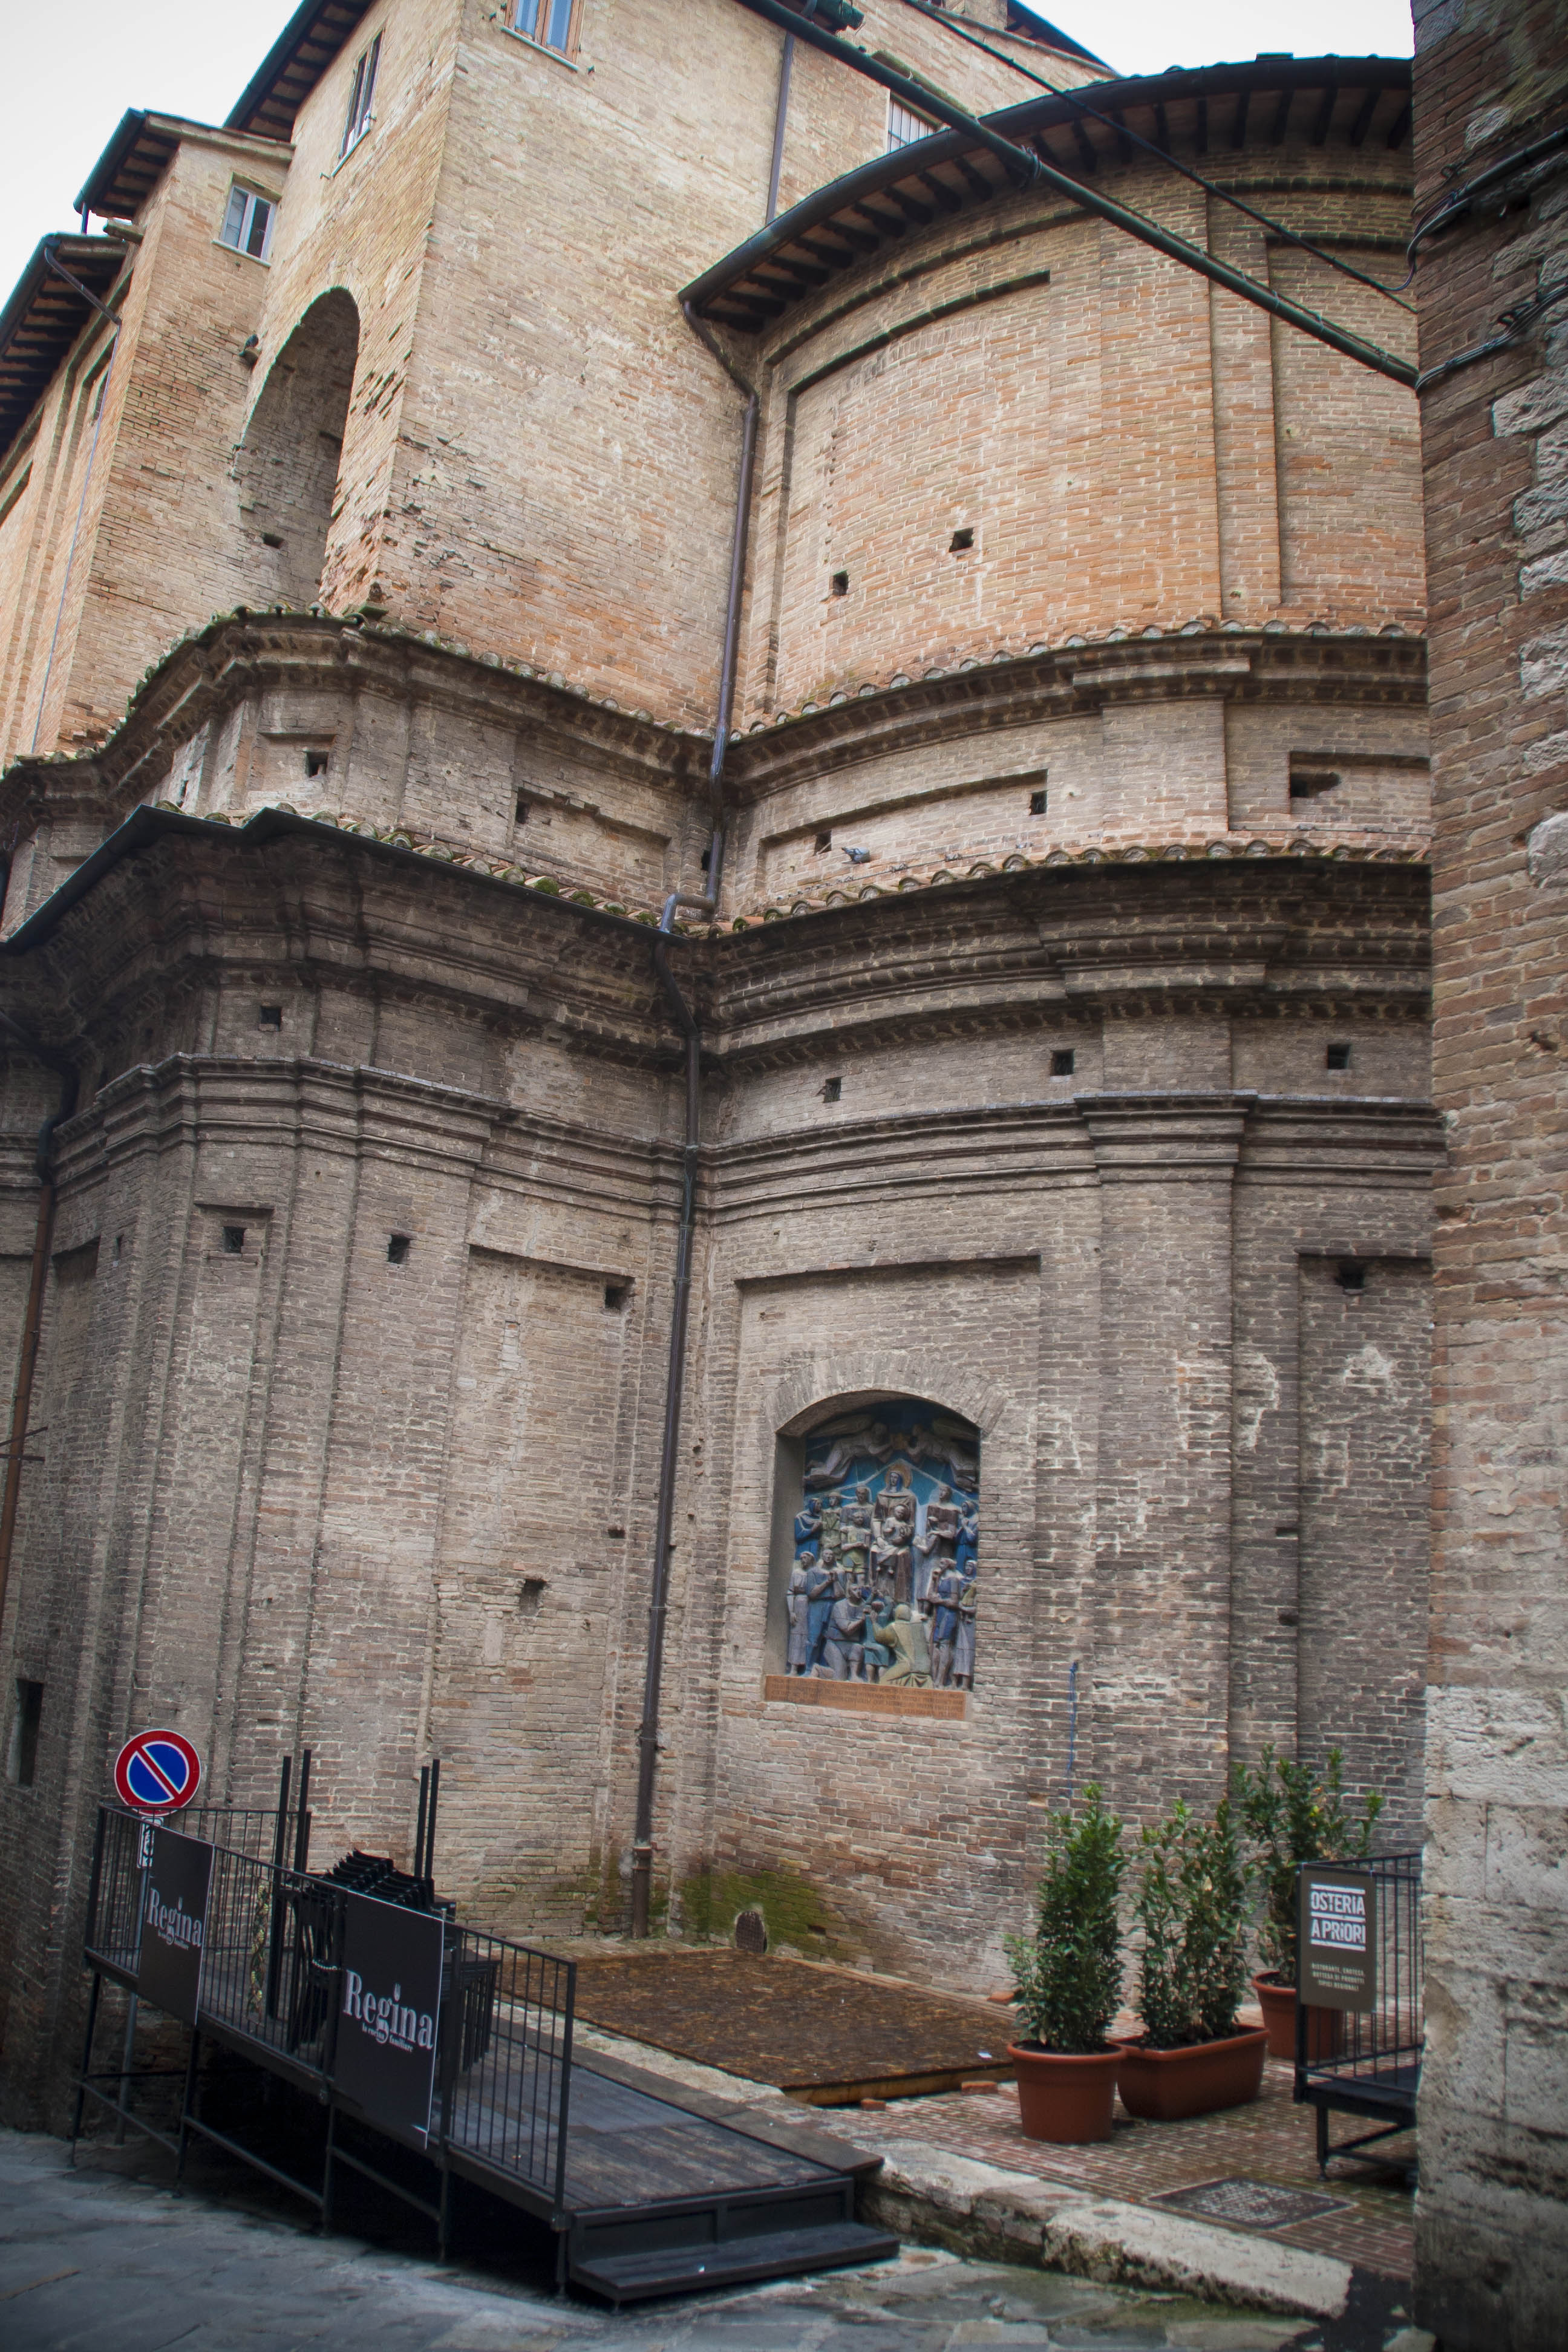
{"x": 360, "y": 115}
{"x": 902, "y": 125}
{"x": 532, "y": 20}
{"x": 249, "y": 199}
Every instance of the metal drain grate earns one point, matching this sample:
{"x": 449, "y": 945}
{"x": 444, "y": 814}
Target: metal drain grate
{"x": 1250, "y": 2204}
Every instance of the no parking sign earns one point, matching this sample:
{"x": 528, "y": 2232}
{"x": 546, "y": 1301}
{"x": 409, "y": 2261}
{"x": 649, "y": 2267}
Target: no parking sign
{"x": 157, "y": 1772}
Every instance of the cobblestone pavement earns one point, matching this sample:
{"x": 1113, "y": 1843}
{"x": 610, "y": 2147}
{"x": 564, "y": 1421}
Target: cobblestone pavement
{"x": 1271, "y": 2140}
{"x": 106, "y": 2259}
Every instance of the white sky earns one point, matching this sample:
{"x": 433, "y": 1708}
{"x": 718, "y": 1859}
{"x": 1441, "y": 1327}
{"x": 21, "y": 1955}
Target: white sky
{"x": 72, "y": 74}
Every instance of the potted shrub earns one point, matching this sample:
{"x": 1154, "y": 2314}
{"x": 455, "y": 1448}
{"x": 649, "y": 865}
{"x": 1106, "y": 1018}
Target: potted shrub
{"x": 1291, "y": 1818}
{"x": 1068, "y": 1980}
{"x": 1192, "y": 2058}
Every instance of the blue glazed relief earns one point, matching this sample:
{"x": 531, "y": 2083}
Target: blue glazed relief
{"x": 885, "y": 1582}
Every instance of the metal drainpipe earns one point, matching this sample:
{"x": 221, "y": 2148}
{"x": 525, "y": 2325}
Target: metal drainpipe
{"x": 21, "y": 1406}
{"x": 707, "y": 903}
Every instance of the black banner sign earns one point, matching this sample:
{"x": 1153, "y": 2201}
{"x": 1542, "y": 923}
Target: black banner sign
{"x": 1338, "y": 1946}
{"x": 174, "y": 1924}
{"x": 389, "y": 2004}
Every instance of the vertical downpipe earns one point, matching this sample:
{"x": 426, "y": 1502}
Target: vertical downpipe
{"x": 706, "y": 903}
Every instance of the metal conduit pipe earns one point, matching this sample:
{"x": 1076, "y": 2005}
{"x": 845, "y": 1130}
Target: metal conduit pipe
{"x": 707, "y": 903}
{"x": 43, "y": 1232}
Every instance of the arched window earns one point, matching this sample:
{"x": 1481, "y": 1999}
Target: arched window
{"x": 883, "y": 1577}
{"x": 287, "y": 467}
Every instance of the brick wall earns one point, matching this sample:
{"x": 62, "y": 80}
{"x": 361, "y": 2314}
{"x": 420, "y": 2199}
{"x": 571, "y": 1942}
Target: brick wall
{"x": 1492, "y": 2252}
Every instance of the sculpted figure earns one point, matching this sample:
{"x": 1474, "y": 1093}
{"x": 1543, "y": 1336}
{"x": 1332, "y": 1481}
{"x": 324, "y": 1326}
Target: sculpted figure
{"x": 821, "y": 1592}
{"x": 874, "y": 1445}
{"x": 968, "y": 1546}
{"x": 832, "y": 1514}
{"x": 892, "y": 1554}
{"x": 963, "y": 1646}
{"x": 842, "y": 1652}
{"x": 876, "y": 1650}
{"x": 940, "y": 1541}
{"x": 944, "y": 1596}
{"x": 905, "y": 1635}
{"x": 797, "y": 1654}
{"x": 854, "y": 1534}
{"x": 808, "y": 1524}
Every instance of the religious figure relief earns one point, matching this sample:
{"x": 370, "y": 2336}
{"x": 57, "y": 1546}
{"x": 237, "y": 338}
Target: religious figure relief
{"x": 886, "y": 1580}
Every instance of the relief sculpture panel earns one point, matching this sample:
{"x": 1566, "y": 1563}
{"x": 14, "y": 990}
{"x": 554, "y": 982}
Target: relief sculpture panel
{"x": 885, "y": 1582}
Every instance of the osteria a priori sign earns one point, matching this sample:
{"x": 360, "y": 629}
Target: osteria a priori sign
{"x": 1338, "y": 1933}
{"x": 174, "y": 1924}
{"x": 390, "y": 2001}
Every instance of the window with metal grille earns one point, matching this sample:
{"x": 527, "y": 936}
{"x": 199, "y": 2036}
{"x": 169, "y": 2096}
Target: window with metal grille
{"x": 904, "y": 127}
{"x": 248, "y": 222}
{"x": 551, "y": 23}
{"x": 362, "y": 90}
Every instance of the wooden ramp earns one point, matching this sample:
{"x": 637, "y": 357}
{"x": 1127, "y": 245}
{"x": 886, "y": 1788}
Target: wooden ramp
{"x": 746, "y": 2194}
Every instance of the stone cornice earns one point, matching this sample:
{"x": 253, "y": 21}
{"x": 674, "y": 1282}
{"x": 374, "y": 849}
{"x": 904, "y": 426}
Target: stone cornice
{"x": 1076, "y": 678}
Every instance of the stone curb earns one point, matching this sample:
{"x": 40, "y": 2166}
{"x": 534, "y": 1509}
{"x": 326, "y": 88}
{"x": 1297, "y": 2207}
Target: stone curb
{"x": 929, "y": 2195}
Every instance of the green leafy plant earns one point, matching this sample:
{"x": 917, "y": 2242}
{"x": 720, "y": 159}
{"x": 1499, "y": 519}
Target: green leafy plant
{"x": 1068, "y": 1974}
{"x": 1290, "y": 1818}
{"x": 1192, "y": 1905}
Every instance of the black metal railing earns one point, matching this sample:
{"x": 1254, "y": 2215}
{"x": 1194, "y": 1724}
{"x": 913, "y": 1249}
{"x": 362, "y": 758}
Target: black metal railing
{"x": 1382, "y": 2042}
{"x": 505, "y": 2063}
{"x": 273, "y": 1945}
{"x": 1367, "y": 2061}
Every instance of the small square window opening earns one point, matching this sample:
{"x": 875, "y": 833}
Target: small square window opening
{"x": 1312, "y": 784}
{"x": 397, "y": 1248}
{"x": 362, "y": 91}
{"x": 269, "y": 1016}
{"x": 961, "y": 542}
{"x": 1062, "y": 1061}
{"x": 905, "y": 126}
{"x": 233, "y": 1240}
{"x": 248, "y": 222}
{"x": 1037, "y": 803}
{"x": 548, "y": 22}
{"x": 529, "y": 1593}
{"x": 22, "y": 1760}
{"x": 521, "y": 813}
{"x": 823, "y": 841}
{"x": 832, "y": 1090}
{"x": 617, "y": 1295}
{"x": 1337, "y": 1057}
{"x": 316, "y": 762}
{"x": 1352, "y": 1277}
{"x": 840, "y": 583}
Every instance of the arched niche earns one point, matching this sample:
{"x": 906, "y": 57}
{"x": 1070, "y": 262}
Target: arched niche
{"x": 286, "y": 468}
{"x": 875, "y": 1520}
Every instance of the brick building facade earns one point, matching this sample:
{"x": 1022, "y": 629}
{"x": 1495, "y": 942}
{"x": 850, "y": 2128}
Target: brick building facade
{"x": 1064, "y": 1029}
{"x": 1492, "y": 203}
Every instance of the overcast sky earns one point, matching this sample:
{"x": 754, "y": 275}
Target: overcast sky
{"x": 72, "y": 75}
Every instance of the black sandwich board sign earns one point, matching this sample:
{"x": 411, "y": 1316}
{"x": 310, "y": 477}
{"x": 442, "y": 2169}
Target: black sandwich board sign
{"x": 391, "y": 1999}
{"x": 174, "y": 1924}
{"x": 1337, "y": 1932}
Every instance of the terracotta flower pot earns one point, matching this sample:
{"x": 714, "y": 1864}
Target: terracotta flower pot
{"x": 1325, "y": 2027}
{"x": 1065, "y": 2099}
{"x": 1165, "y": 2086}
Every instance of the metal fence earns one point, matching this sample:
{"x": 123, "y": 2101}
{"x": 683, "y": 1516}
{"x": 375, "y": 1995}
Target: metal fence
{"x": 273, "y": 1946}
{"x": 505, "y": 2062}
{"x": 1367, "y": 2061}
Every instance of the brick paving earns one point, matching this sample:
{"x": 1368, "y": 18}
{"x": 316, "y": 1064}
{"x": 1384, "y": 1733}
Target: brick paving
{"x": 1271, "y": 2140}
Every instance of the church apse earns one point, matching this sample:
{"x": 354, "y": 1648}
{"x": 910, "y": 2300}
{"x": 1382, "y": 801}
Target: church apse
{"x": 884, "y": 1578}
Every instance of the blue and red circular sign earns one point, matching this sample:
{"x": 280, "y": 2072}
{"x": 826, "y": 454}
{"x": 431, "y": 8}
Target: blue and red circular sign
{"x": 157, "y": 1772}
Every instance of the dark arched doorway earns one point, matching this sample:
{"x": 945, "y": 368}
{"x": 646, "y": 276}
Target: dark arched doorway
{"x": 287, "y": 466}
